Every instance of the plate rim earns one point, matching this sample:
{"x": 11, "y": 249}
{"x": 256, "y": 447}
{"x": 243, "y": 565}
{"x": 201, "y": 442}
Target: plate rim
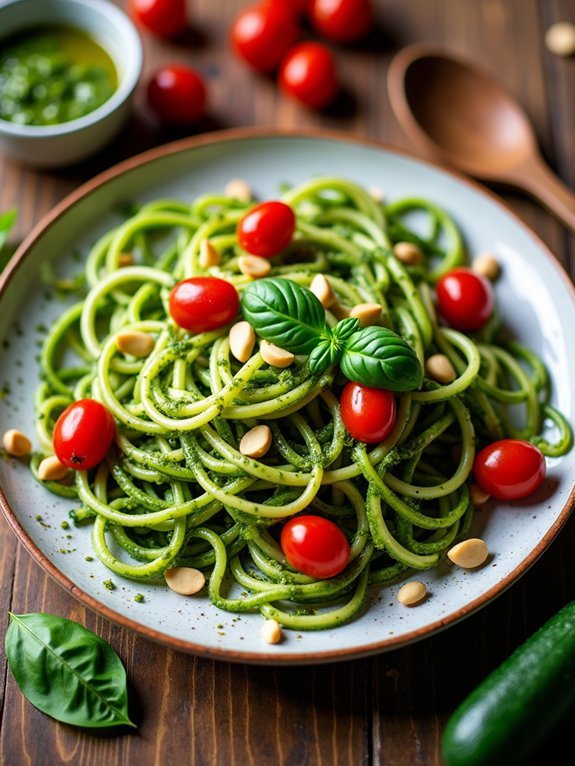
{"x": 270, "y": 657}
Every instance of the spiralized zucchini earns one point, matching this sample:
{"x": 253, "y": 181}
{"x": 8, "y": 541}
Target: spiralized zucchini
{"x": 175, "y": 489}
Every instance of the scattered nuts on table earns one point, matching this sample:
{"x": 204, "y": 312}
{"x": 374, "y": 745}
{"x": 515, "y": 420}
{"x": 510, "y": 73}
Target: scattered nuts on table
{"x": 256, "y": 442}
{"x": 184, "y": 580}
{"x": 469, "y": 554}
{"x": 560, "y": 38}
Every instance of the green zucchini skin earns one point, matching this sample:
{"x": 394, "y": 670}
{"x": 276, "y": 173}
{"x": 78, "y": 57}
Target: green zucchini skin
{"x": 509, "y": 714}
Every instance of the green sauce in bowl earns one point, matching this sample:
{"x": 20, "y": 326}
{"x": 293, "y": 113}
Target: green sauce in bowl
{"x": 53, "y": 74}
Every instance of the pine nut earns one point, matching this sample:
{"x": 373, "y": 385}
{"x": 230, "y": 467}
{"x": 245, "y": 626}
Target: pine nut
{"x": 242, "y": 341}
{"x": 16, "y": 443}
{"x": 184, "y": 580}
{"x": 135, "y": 343}
{"x": 51, "y": 469}
{"x": 376, "y": 193}
{"x": 209, "y": 256}
{"x": 408, "y": 253}
{"x": 339, "y": 311}
{"x": 412, "y": 593}
{"x": 256, "y": 442}
{"x": 125, "y": 259}
{"x": 271, "y": 632}
{"x": 254, "y": 266}
{"x": 487, "y": 265}
{"x": 274, "y": 355}
{"x": 238, "y": 189}
{"x": 478, "y": 496}
{"x": 367, "y": 313}
{"x": 323, "y": 291}
{"x": 560, "y": 38}
{"x": 469, "y": 554}
{"x": 439, "y": 368}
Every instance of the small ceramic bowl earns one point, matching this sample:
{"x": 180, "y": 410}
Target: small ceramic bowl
{"x": 69, "y": 142}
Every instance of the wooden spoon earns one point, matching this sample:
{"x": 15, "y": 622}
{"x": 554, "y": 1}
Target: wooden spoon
{"x": 461, "y": 117}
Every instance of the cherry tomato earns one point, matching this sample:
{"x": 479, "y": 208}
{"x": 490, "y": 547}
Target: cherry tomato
{"x": 367, "y": 413}
{"x": 262, "y": 35}
{"x": 83, "y": 434}
{"x": 266, "y": 229}
{"x": 200, "y": 304}
{"x": 315, "y": 546}
{"x": 297, "y": 7}
{"x": 177, "y": 94}
{"x": 509, "y": 469}
{"x": 464, "y": 299}
{"x": 343, "y": 21}
{"x": 308, "y": 73}
{"x": 165, "y": 18}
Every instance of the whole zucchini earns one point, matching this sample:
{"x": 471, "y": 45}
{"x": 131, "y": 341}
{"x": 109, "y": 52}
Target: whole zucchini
{"x": 509, "y": 714}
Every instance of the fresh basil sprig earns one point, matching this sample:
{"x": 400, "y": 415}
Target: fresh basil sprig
{"x": 375, "y": 354}
{"x": 66, "y": 671}
{"x": 291, "y": 316}
{"x": 7, "y": 221}
{"x": 284, "y": 313}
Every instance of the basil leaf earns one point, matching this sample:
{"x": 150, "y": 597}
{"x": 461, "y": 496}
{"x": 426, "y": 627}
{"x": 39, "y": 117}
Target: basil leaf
{"x": 284, "y": 313}
{"x": 328, "y": 352}
{"x": 66, "y": 671}
{"x": 380, "y": 358}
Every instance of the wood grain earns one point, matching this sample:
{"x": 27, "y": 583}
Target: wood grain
{"x": 388, "y": 710}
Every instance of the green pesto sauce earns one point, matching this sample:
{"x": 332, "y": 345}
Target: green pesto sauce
{"x": 51, "y": 75}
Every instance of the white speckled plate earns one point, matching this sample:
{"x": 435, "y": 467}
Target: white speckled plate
{"x": 534, "y": 295}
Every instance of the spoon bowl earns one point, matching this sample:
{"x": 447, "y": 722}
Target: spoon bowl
{"x": 457, "y": 114}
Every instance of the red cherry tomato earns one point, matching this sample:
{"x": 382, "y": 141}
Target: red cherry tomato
{"x": 200, "y": 304}
{"x": 343, "y": 21}
{"x": 367, "y": 413}
{"x": 266, "y": 229}
{"x": 297, "y": 7}
{"x": 262, "y": 35}
{"x": 308, "y": 73}
{"x": 177, "y": 94}
{"x": 464, "y": 299}
{"x": 164, "y": 18}
{"x": 315, "y": 546}
{"x": 509, "y": 469}
{"x": 83, "y": 434}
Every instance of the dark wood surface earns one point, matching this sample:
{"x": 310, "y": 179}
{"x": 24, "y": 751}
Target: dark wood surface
{"x": 387, "y": 710}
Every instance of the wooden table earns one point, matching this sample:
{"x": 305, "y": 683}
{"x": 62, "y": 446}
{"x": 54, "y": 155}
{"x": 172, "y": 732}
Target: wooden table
{"x": 389, "y": 709}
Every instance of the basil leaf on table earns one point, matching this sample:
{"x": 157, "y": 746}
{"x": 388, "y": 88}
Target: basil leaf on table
{"x": 376, "y": 356}
{"x": 66, "y": 671}
{"x": 282, "y": 312}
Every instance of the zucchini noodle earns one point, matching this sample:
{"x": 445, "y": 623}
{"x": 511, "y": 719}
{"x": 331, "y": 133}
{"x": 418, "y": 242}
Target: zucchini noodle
{"x": 175, "y": 489}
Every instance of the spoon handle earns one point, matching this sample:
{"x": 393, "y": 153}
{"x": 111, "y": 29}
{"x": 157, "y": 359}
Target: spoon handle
{"x": 540, "y": 181}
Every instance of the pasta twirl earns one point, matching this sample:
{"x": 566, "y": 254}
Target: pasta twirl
{"x": 176, "y": 490}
